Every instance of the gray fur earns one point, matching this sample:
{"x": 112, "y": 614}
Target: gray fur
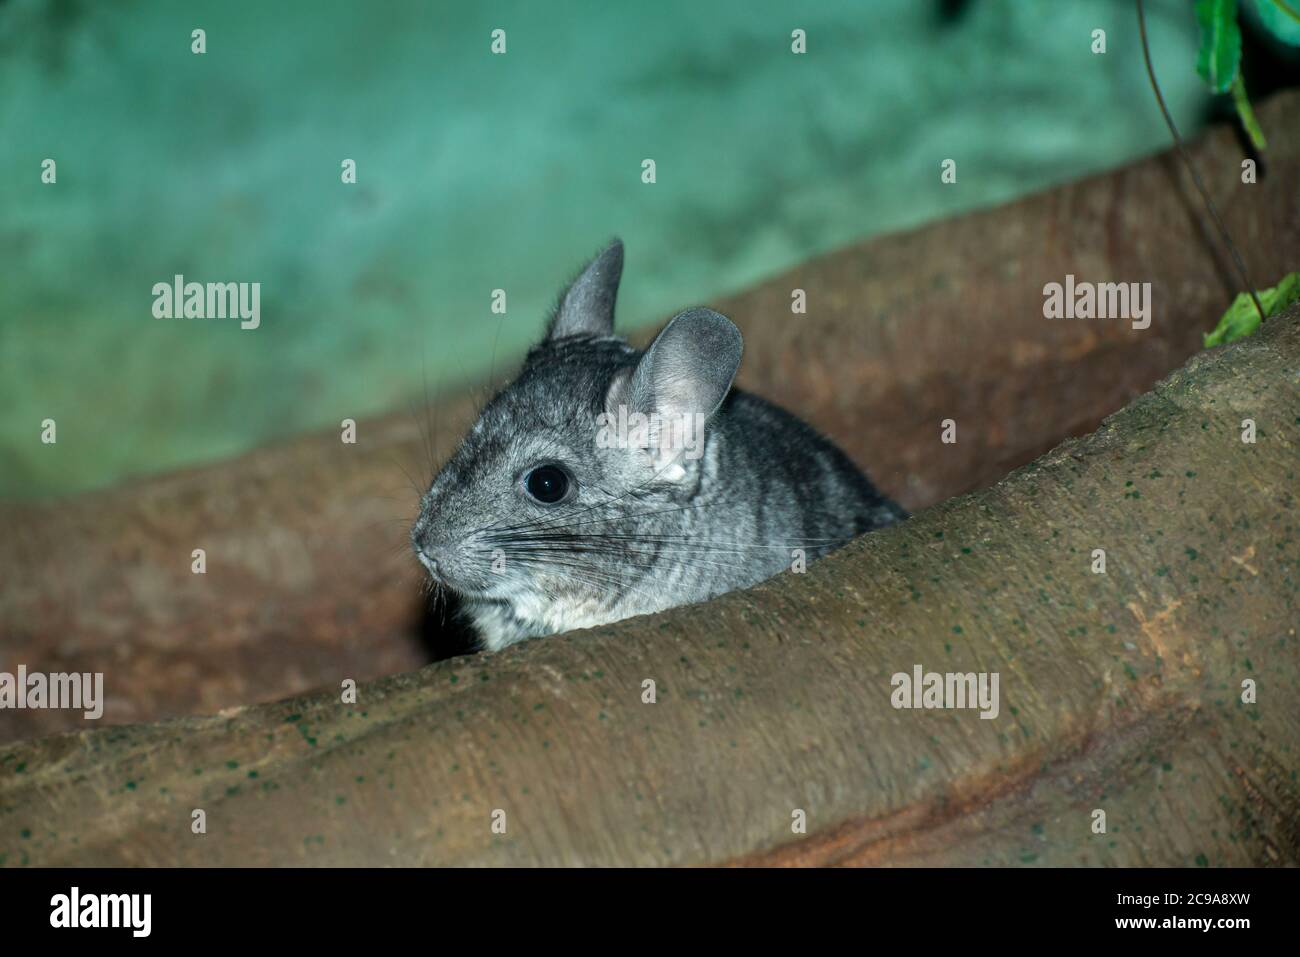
{"x": 640, "y": 533}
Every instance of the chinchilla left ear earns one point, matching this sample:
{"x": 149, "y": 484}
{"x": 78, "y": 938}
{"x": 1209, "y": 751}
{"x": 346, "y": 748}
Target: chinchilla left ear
{"x": 687, "y": 370}
{"x": 587, "y": 306}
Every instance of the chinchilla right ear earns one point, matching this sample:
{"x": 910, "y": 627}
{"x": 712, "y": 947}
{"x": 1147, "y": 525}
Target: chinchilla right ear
{"x": 687, "y": 370}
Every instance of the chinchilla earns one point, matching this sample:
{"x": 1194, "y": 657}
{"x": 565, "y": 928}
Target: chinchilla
{"x": 606, "y": 482}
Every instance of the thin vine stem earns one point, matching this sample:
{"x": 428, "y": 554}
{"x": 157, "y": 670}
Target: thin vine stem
{"x": 1187, "y": 160}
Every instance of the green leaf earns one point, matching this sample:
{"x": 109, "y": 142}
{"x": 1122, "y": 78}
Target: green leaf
{"x": 1281, "y": 18}
{"x": 1220, "y": 54}
{"x": 1242, "y": 319}
{"x": 1248, "y": 119}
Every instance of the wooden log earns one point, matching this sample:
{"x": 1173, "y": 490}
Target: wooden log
{"x": 1120, "y": 693}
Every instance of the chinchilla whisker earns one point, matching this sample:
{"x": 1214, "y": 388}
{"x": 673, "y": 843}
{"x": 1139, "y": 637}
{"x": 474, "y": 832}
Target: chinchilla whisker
{"x": 622, "y": 552}
{"x": 386, "y": 525}
{"x": 590, "y": 574}
{"x": 614, "y": 544}
{"x": 696, "y": 540}
{"x": 546, "y": 556}
{"x": 421, "y": 419}
{"x": 802, "y": 542}
{"x": 588, "y": 545}
{"x": 688, "y": 542}
{"x": 419, "y": 493}
{"x": 601, "y": 578}
{"x": 424, "y": 385}
{"x": 631, "y": 516}
{"x": 394, "y": 550}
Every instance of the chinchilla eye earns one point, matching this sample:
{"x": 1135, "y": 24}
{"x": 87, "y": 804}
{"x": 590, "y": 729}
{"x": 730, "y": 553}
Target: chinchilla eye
{"x": 547, "y": 483}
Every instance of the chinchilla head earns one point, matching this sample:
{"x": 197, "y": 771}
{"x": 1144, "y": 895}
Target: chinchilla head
{"x": 559, "y": 491}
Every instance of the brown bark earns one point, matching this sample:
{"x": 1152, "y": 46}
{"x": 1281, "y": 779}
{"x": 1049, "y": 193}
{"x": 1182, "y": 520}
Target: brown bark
{"x": 1120, "y": 692}
{"x": 309, "y": 580}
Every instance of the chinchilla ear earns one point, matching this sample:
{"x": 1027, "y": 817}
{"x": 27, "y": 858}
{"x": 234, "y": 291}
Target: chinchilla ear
{"x": 587, "y": 306}
{"x": 686, "y": 371}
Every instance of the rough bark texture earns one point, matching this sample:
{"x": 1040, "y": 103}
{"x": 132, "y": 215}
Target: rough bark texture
{"x": 309, "y": 578}
{"x": 1120, "y": 692}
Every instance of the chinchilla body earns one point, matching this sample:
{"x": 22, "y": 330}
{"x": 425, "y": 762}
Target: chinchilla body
{"x": 607, "y": 482}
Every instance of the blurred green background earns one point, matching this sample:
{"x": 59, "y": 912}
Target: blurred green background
{"x": 476, "y": 172}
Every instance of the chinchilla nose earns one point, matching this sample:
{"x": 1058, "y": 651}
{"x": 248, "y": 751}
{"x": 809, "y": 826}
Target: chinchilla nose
{"x": 427, "y": 560}
{"x": 423, "y": 548}
{"x": 434, "y": 554}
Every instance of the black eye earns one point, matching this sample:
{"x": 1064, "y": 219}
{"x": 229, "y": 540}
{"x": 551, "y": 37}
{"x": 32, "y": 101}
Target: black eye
{"x": 547, "y": 483}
